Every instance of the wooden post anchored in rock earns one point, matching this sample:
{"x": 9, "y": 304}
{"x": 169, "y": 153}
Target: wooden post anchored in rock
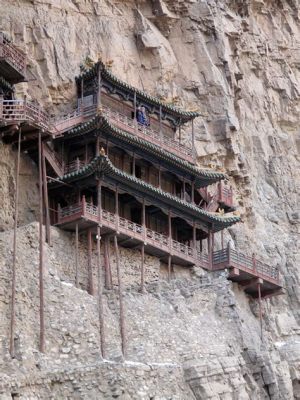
{"x": 100, "y": 295}
{"x": 143, "y": 268}
{"x": 76, "y": 256}
{"x": 91, "y": 288}
{"x": 122, "y": 311}
{"x": 260, "y": 309}
{"x": 108, "y": 276}
{"x": 13, "y": 286}
{"x": 46, "y": 199}
{"x": 41, "y": 249}
{"x": 169, "y": 267}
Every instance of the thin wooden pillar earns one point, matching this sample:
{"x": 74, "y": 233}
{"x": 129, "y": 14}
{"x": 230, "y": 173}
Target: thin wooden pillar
{"x": 194, "y": 237}
{"x": 170, "y": 229}
{"x": 134, "y": 105}
{"x": 91, "y": 288}
{"x": 159, "y": 177}
{"x": 122, "y": 309}
{"x": 46, "y": 199}
{"x": 133, "y": 164}
{"x": 143, "y": 268}
{"x": 260, "y": 310}
{"x": 81, "y": 93}
{"x": 179, "y": 130}
{"x": 193, "y": 139}
{"x": 193, "y": 192}
{"x": 108, "y": 275}
{"x": 41, "y": 249}
{"x": 99, "y": 87}
{"x": 117, "y": 206}
{"x": 209, "y": 249}
{"x": 100, "y": 295}
{"x": 160, "y": 121}
{"x": 169, "y": 267}
{"x": 76, "y": 256}
{"x": 13, "y": 285}
{"x": 183, "y": 189}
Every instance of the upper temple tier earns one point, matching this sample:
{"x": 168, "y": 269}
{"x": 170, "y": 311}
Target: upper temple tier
{"x": 99, "y": 74}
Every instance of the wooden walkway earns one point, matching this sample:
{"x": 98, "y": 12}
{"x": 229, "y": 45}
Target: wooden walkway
{"x": 245, "y": 270}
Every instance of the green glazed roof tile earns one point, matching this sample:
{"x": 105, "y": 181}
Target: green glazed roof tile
{"x": 106, "y": 73}
{"x": 103, "y": 123}
{"x": 101, "y": 163}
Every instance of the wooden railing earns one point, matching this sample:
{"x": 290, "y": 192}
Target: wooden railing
{"x": 225, "y": 194}
{"x": 22, "y": 110}
{"x": 145, "y": 132}
{"x": 123, "y": 122}
{"x": 133, "y": 230}
{"x": 75, "y": 165}
{"x": 226, "y": 258}
{"x": 15, "y": 57}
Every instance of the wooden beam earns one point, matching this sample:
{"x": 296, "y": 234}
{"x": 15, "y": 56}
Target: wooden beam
{"x": 76, "y": 256}
{"x": 143, "y": 268}
{"x": 260, "y": 310}
{"x": 100, "y": 295}
{"x": 122, "y": 308}
{"x": 13, "y": 285}
{"x": 169, "y": 267}
{"x": 46, "y": 198}
{"x": 108, "y": 276}
{"x": 41, "y": 249}
{"x": 91, "y": 288}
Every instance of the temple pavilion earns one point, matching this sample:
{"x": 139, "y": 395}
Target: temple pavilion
{"x": 123, "y": 165}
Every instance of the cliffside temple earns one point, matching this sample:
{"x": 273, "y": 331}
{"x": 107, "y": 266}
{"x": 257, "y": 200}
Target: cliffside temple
{"x": 121, "y": 170}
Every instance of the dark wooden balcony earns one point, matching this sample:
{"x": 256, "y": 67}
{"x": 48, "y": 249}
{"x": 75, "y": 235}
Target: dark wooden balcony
{"x": 12, "y": 61}
{"x": 248, "y": 272}
{"x": 18, "y": 111}
{"x": 126, "y": 124}
{"x": 130, "y": 234}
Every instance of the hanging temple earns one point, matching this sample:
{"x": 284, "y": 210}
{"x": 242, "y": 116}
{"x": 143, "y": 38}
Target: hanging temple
{"x": 123, "y": 166}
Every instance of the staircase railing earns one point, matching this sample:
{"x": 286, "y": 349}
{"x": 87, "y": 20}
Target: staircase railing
{"x": 13, "y": 55}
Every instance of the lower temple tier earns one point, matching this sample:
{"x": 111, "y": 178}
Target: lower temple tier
{"x": 256, "y": 277}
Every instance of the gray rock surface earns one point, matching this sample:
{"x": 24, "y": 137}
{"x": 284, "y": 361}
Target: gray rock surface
{"x": 199, "y": 336}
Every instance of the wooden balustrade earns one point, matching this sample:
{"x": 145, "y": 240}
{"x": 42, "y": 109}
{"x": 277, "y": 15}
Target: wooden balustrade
{"x": 132, "y": 229}
{"x": 227, "y": 258}
{"x": 22, "y": 110}
{"x": 15, "y": 57}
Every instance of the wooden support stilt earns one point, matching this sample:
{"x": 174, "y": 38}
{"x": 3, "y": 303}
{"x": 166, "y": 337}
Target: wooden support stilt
{"x": 209, "y": 248}
{"x": 99, "y": 87}
{"x": 122, "y": 311}
{"x": 46, "y": 198}
{"x": 100, "y": 295}
{"x": 91, "y": 288}
{"x": 193, "y": 140}
{"x": 143, "y": 268}
{"x": 260, "y": 310}
{"x": 76, "y": 256}
{"x": 160, "y": 120}
{"x": 193, "y": 192}
{"x": 169, "y": 267}
{"x": 13, "y": 285}
{"x": 108, "y": 276}
{"x": 194, "y": 237}
{"x": 41, "y": 250}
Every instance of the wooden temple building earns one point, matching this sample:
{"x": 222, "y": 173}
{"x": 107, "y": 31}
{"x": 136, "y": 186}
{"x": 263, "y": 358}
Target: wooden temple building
{"x": 123, "y": 166}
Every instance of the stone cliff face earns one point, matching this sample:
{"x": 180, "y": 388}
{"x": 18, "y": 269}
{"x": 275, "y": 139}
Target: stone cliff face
{"x": 198, "y": 337}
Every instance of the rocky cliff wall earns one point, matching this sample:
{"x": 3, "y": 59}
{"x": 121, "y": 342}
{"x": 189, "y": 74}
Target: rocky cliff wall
{"x": 238, "y": 63}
